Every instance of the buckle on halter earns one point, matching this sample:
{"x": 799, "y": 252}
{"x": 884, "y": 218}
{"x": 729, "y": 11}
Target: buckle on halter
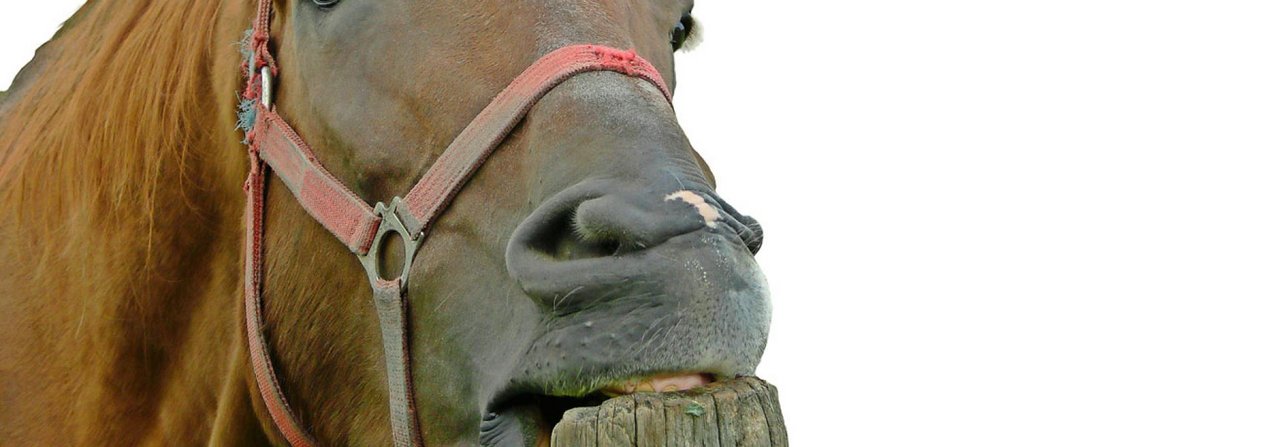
{"x": 391, "y": 222}
{"x": 267, "y": 80}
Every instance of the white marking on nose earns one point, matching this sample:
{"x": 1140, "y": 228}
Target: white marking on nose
{"x": 709, "y": 213}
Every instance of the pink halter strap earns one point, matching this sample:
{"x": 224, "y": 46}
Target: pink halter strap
{"x": 274, "y": 144}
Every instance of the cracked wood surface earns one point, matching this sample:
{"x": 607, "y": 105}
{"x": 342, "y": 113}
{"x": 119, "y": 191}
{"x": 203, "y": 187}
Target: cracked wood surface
{"x": 738, "y": 413}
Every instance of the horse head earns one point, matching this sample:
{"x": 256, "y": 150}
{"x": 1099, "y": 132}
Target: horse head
{"x": 589, "y": 256}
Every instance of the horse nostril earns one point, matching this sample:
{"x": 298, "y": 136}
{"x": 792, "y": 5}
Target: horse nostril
{"x": 613, "y": 221}
{"x": 587, "y": 222}
{"x": 747, "y": 228}
{"x": 569, "y": 238}
{"x": 560, "y": 237}
{"x": 753, "y": 233}
{"x": 608, "y": 224}
{"x": 598, "y": 238}
{"x": 605, "y": 226}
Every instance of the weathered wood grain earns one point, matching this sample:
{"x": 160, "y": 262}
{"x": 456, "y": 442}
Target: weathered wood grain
{"x": 728, "y": 416}
{"x": 578, "y": 428}
{"x": 737, "y": 413}
{"x": 651, "y": 422}
{"x": 773, "y": 414}
{"x": 768, "y": 397}
{"x": 617, "y": 422}
{"x": 753, "y": 427}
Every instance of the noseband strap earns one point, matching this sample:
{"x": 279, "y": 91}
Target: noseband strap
{"x": 276, "y": 147}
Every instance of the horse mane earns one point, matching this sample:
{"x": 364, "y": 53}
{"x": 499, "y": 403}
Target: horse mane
{"x": 102, "y": 129}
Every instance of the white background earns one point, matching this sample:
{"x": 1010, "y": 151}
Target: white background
{"x": 995, "y": 223}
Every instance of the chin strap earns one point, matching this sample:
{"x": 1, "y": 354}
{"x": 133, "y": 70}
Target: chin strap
{"x": 274, "y": 145}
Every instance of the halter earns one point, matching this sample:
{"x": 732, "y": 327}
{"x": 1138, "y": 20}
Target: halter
{"x": 361, "y": 227}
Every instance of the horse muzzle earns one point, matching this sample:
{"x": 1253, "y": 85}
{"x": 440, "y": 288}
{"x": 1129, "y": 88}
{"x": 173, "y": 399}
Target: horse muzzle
{"x": 640, "y": 290}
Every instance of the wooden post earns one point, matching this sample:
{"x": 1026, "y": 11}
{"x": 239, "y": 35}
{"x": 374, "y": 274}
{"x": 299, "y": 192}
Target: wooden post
{"x": 738, "y": 413}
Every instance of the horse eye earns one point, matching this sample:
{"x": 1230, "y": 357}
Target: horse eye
{"x": 680, "y": 33}
{"x": 325, "y": 3}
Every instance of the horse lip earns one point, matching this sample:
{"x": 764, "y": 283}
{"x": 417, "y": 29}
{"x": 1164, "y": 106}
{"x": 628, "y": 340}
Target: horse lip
{"x": 653, "y": 382}
{"x": 658, "y": 384}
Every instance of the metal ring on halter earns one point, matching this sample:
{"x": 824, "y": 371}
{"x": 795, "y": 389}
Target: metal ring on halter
{"x": 390, "y": 223}
{"x": 266, "y": 86}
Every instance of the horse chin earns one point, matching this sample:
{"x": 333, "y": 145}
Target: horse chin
{"x": 528, "y": 420}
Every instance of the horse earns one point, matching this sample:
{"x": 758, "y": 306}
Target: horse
{"x": 589, "y": 254}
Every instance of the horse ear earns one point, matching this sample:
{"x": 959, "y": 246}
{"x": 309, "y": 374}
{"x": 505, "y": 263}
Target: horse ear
{"x": 693, "y": 37}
